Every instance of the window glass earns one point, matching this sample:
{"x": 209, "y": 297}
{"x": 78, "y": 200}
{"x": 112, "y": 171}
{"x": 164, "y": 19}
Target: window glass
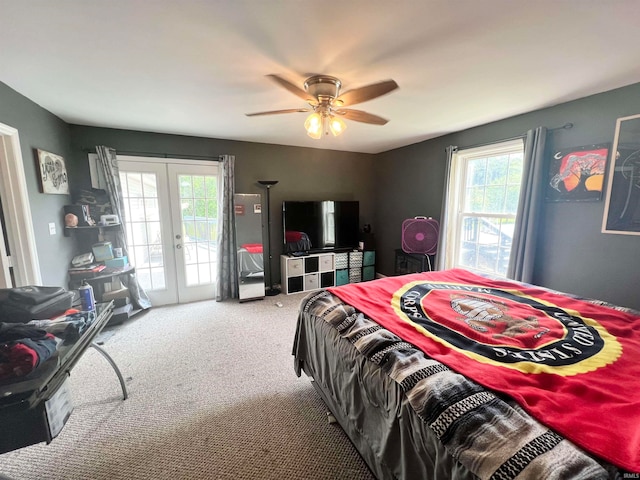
{"x": 485, "y": 186}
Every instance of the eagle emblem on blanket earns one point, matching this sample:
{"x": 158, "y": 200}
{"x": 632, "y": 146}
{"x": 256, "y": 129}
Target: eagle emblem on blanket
{"x": 485, "y": 315}
{"x": 506, "y": 327}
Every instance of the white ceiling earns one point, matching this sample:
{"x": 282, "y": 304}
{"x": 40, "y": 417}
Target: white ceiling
{"x": 195, "y": 67}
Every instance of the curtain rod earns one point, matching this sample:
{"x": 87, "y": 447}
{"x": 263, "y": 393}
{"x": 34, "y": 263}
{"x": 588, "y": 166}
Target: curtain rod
{"x": 180, "y": 156}
{"x": 566, "y": 126}
{"x": 517, "y": 137}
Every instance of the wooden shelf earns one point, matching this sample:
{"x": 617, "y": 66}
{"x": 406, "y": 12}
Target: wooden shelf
{"x": 87, "y": 228}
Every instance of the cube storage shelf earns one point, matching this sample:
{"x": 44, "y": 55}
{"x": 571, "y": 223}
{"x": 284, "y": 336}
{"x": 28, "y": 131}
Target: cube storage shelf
{"x": 322, "y": 270}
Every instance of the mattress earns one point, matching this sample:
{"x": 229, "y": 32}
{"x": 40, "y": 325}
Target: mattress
{"x": 435, "y": 422}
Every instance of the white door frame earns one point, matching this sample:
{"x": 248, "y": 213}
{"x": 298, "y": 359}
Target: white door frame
{"x": 168, "y": 228}
{"x": 169, "y": 294}
{"x": 17, "y": 212}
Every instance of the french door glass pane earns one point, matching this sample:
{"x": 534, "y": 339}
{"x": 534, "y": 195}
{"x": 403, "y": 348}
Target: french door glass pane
{"x": 140, "y": 202}
{"x": 199, "y": 210}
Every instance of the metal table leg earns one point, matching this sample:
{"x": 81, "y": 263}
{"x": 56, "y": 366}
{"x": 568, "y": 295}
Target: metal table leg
{"x": 115, "y": 367}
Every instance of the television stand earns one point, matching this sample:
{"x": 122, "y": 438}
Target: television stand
{"x": 313, "y": 271}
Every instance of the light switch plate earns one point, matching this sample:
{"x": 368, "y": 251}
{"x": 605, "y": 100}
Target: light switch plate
{"x": 52, "y": 228}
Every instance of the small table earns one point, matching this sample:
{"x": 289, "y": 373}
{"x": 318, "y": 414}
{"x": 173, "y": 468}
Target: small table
{"x": 412, "y": 262}
{"x": 34, "y": 408}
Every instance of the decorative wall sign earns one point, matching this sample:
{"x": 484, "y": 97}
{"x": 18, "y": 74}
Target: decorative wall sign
{"x": 577, "y": 174}
{"x": 53, "y": 173}
{"x": 622, "y": 203}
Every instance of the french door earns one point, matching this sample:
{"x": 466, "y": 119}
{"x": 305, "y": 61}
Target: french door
{"x": 171, "y": 223}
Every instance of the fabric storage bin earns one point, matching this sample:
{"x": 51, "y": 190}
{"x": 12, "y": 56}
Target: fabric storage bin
{"x": 355, "y": 275}
{"x": 342, "y": 277}
{"x": 368, "y": 273}
{"x": 355, "y": 259}
{"x": 342, "y": 260}
{"x": 369, "y": 258}
{"x": 326, "y": 279}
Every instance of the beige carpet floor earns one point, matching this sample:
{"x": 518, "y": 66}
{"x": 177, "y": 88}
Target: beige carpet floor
{"x": 213, "y": 395}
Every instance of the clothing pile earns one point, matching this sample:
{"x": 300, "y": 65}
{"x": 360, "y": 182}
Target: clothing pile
{"x": 22, "y": 348}
{"x": 25, "y": 346}
{"x": 34, "y": 321}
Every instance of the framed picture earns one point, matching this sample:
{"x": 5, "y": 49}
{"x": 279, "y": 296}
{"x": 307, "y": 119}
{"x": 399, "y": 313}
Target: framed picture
{"x": 53, "y": 173}
{"x": 577, "y": 174}
{"x": 622, "y": 202}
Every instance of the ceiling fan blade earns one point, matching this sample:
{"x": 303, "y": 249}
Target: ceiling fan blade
{"x": 275, "y": 112}
{"x": 360, "y": 116}
{"x": 362, "y": 94}
{"x": 292, "y": 88}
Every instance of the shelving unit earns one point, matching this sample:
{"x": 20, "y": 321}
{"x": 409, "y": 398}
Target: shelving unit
{"x": 106, "y": 284}
{"x": 355, "y": 266}
{"x": 68, "y": 231}
{"x": 322, "y": 270}
{"x": 311, "y": 272}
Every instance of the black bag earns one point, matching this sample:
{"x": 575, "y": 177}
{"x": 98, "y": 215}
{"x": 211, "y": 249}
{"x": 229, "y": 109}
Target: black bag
{"x": 33, "y": 295}
{"x": 23, "y": 304}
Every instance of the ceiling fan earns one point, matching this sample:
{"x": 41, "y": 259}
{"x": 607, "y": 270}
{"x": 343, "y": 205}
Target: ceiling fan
{"x": 322, "y": 93}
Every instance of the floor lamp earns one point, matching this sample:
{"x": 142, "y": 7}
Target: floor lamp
{"x": 270, "y": 290}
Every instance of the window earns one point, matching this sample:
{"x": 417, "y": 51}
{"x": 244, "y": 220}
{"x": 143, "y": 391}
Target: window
{"x": 484, "y": 191}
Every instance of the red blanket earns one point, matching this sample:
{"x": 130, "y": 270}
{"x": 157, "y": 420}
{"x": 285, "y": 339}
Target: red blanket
{"x": 571, "y": 364}
{"x": 252, "y": 247}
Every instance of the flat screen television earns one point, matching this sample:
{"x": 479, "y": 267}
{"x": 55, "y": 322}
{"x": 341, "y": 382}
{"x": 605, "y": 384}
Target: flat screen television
{"x": 315, "y": 226}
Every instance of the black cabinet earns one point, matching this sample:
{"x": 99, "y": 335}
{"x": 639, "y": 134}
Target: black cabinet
{"x": 412, "y": 262}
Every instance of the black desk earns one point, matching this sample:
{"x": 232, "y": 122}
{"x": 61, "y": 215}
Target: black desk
{"x": 34, "y": 408}
{"x": 412, "y": 262}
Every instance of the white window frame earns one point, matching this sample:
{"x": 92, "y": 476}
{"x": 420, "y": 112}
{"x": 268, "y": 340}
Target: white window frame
{"x": 457, "y": 183}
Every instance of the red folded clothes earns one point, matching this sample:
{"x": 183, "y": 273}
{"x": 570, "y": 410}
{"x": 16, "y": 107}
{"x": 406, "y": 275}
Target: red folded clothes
{"x": 23, "y": 348}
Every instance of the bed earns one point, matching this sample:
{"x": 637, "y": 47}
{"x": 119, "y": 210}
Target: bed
{"x": 296, "y": 242}
{"x": 250, "y": 260}
{"x": 411, "y": 415}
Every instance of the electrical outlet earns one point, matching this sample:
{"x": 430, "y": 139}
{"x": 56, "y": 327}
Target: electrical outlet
{"x": 52, "y": 228}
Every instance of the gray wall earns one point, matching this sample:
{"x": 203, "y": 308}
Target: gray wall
{"x": 573, "y": 255}
{"x": 302, "y": 173}
{"x": 38, "y": 128}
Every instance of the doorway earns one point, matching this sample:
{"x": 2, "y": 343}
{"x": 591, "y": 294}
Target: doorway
{"x": 171, "y": 209}
{"x": 19, "y": 258}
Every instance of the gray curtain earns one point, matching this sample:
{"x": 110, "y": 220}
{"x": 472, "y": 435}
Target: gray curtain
{"x": 109, "y": 164}
{"x": 450, "y": 150}
{"x": 523, "y": 249}
{"x": 227, "y": 274}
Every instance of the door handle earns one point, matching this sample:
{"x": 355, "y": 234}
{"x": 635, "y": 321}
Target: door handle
{"x": 179, "y": 246}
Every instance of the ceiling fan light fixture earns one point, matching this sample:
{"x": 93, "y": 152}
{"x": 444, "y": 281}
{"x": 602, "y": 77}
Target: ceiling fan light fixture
{"x": 313, "y": 125}
{"x": 322, "y": 93}
{"x": 336, "y": 125}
